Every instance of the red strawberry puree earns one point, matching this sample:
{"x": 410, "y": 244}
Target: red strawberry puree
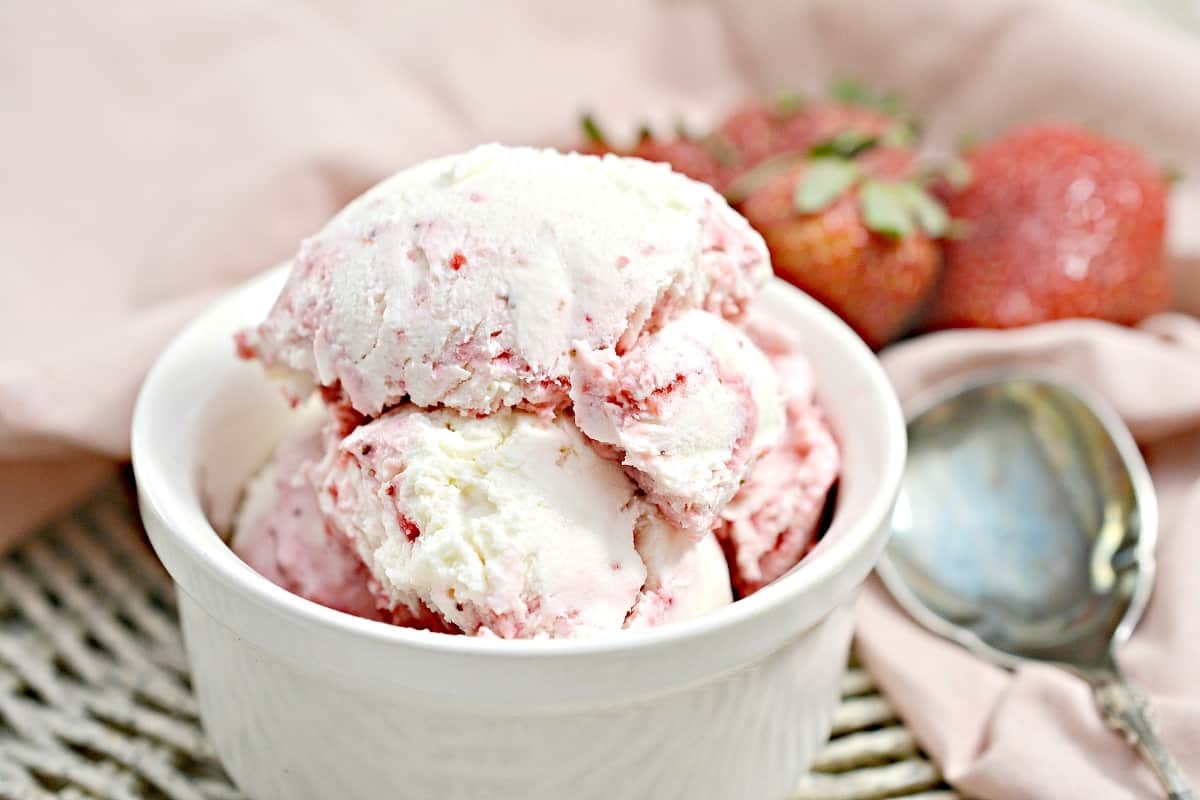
{"x": 281, "y": 533}
{"x": 688, "y": 410}
{"x": 772, "y": 520}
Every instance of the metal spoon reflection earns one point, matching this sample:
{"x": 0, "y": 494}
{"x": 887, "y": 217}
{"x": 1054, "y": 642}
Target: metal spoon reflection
{"x": 1025, "y": 529}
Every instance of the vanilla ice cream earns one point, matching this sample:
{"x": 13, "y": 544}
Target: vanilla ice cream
{"x": 465, "y": 281}
{"x": 684, "y": 578}
{"x": 510, "y": 524}
{"x": 773, "y": 518}
{"x": 688, "y": 409}
{"x": 280, "y": 532}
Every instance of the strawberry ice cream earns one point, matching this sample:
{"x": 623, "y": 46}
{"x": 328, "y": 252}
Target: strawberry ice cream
{"x": 688, "y": 409}
{"x": 772, "y": 520}
{"x": 539, "y": 407}
{"x": 508, "y": 524}
{"x": 281, "y": 533}
{"x": 465, "y": 282}
{"x": 684, "y": 579}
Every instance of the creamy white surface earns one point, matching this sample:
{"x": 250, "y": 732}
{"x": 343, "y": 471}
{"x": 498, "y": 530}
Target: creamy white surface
{"x": 684, "y": 579}
{"x": 523, "y": 529}
{"x": 465, "y": 280}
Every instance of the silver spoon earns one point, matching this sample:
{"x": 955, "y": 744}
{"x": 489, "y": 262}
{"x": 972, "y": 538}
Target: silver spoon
{"x": 1025, "y": 529}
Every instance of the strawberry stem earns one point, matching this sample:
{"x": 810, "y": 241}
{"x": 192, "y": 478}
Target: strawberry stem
{"x": 856, "y": 93}
{"x": 847, "y": 144}
{"x": 591, "y": 129}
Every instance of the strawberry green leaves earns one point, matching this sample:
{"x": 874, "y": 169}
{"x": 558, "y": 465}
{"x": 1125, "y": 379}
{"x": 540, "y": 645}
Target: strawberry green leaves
{"x": 591, "y": 129}
{"x": 824, "y": 181}
{"x": 890, "y": 208}
{"x": 931, "y": 217}
{"x": 788, "y": 103}
{"x": 857, "y": 93}
{"x": 846, "y": 144}
{"x": 902, "y": 133}
{"x": 898, "y": 208}
{"x": 954, "y": 172}
{"x": 885, "y": 209}
{"x": 957, "y": 173}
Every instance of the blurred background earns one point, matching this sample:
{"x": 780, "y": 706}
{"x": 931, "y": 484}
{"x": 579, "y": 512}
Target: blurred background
{"x": 1178, "y": 13}
{"x": 160, "y": 154}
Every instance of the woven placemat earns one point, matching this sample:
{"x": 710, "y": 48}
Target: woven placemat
{"x": 95, "y": 700}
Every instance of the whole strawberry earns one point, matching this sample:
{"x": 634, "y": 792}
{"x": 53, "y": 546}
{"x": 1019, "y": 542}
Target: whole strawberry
{"x": 1060, "y": 222}
{"x": 856, "y": 236}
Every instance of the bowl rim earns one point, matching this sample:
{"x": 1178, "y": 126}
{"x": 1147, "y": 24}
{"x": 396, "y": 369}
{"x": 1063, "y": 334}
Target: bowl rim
{"x": 169, "y": 490}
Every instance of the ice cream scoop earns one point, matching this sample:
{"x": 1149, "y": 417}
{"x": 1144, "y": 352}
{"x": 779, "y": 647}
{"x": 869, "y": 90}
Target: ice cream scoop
{"x": 772, "y": 520}
{"x": 684, "y": 579}
{"x": 508, "y": 524}
{"x": 688, "y": 410}
{"x": 279, "y": 530}
{"x": 465, "y": 281}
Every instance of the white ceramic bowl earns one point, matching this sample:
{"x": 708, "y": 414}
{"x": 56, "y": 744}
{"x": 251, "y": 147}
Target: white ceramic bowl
{"x": 304, "y": 702}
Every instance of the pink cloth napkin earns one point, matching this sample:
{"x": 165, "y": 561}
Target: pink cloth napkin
{"x": 157, "y": 154}
{"x": 1035, "y": 733}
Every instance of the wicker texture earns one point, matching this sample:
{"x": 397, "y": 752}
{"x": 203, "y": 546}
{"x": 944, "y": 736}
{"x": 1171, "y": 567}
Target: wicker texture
{"x": 95, "y": 700}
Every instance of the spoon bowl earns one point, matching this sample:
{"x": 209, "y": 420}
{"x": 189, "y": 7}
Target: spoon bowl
{"x": 1025, "y": 522}
{"x": 1024, "y": 530}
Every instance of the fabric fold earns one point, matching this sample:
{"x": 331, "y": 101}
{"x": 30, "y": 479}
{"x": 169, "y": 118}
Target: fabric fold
{"x": 1035, "y": 732}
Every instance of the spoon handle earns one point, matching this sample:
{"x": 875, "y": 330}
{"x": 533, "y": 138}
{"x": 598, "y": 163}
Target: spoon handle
{"x": 1126, "y": 710}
